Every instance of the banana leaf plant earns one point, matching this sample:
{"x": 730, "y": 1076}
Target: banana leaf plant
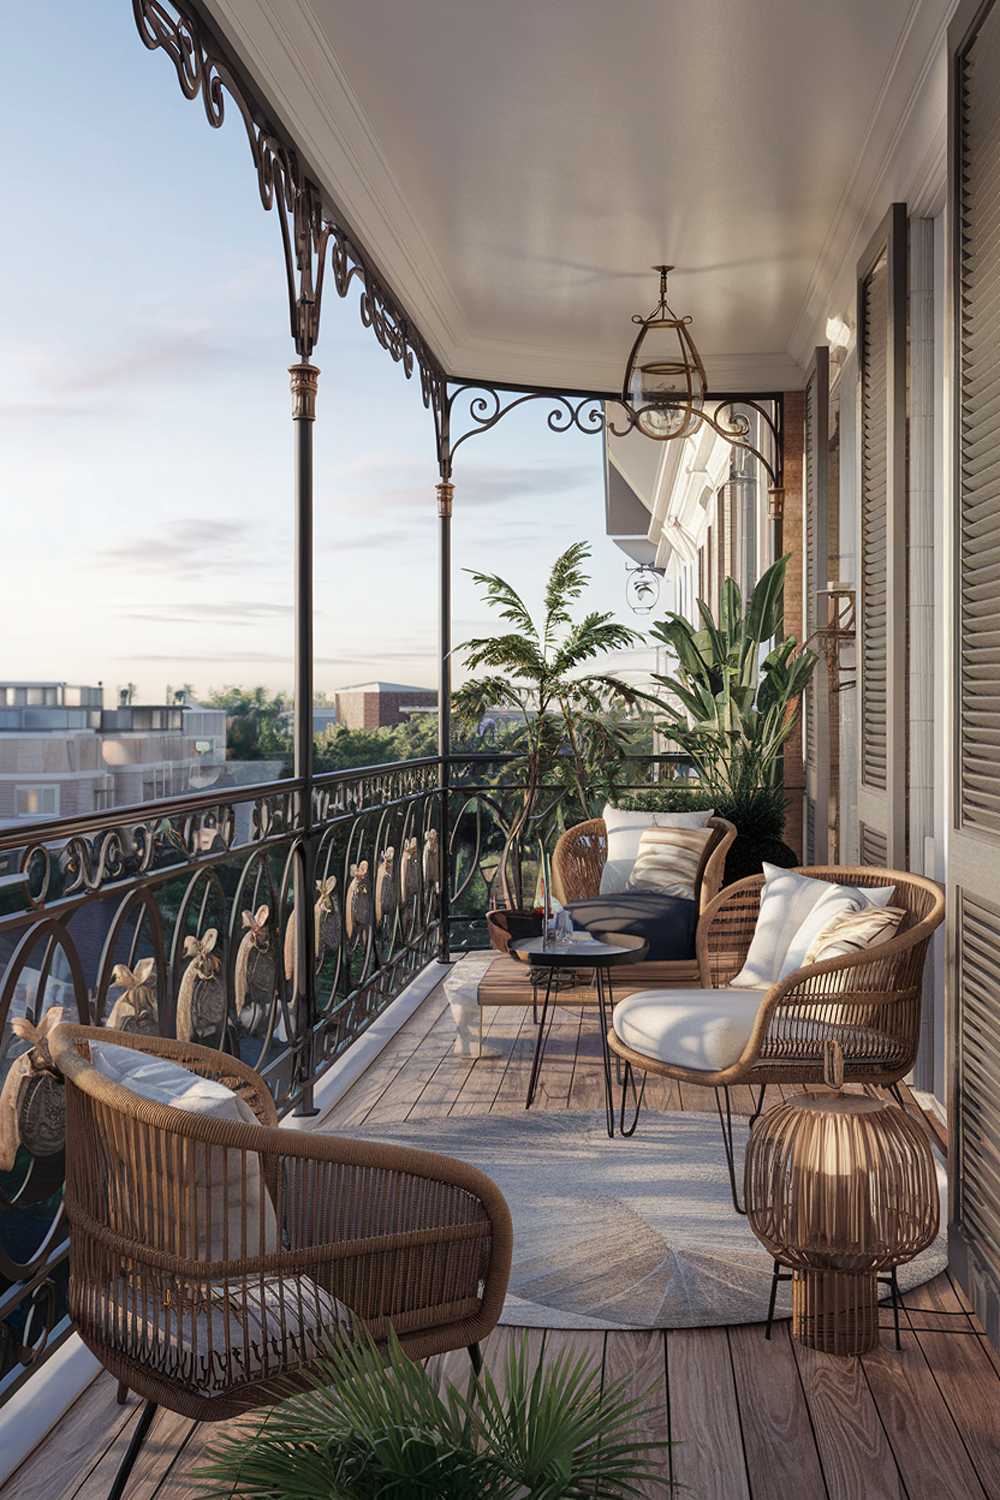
{"x": 731, "y": 703}
{"x": 572, "y": 716}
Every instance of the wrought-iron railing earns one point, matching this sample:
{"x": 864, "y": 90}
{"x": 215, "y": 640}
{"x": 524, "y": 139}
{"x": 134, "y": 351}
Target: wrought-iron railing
{"x": 176, "y": 918}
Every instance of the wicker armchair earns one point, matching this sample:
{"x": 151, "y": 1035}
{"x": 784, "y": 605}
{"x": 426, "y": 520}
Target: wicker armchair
{"x": 581, "y": 852}
{"x": 868, "y": 1002}
{"x": 389, "y": 1237}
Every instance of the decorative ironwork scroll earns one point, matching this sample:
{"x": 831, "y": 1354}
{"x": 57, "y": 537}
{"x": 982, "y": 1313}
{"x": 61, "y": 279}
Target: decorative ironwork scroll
{"x": 482, "y": 406}
{"x": 203, "y": 71}
{"x": 173, "y": 920}
{"x": 311, "y": 227}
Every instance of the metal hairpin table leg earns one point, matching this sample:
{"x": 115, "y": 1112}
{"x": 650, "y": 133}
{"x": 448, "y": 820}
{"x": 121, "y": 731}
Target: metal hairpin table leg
{"x": 777, "y": 1277}
{"x": 726, "y": 1121}
{"x": 603, "y": 1002}
{"x": 891, "y": 1280}
{"x": 628, "y": 1080}
{"x": 540, "y": 1040}
{"x": 759, "y": 1107}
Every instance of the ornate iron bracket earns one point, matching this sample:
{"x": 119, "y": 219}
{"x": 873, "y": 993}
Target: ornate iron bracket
{"x": 484, "y": 406}
{"x": 310, "y": 226}
{"x": 203, "y": 71}
{"x": 839, "y": 631}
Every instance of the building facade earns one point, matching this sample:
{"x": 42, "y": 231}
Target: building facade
{"x": 380, "y": 705}
{"x": 63, "y": 754}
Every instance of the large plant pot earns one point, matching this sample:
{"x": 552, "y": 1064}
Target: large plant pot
{"x": 505, "y": 924}
{"x": 748, "y": 853}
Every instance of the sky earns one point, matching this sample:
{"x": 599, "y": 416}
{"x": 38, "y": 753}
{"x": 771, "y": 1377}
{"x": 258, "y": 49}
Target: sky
{"x": 145, "y": 433}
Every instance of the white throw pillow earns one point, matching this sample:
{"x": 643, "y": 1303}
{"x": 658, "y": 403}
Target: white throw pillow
{"x": 202, "y": 1174}
{"x": 625, "y": 829}
{"x": 669, "y": 860}
{"x": 853, "y": 934}
{"x": 784, "y": 930}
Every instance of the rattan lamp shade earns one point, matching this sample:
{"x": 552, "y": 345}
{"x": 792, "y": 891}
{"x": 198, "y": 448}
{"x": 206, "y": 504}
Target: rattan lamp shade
{"x": 839, "y": 1188}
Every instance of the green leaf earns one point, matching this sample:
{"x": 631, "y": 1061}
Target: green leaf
{"x": 374, "y": 1425}
{"x": 767, "y": 602}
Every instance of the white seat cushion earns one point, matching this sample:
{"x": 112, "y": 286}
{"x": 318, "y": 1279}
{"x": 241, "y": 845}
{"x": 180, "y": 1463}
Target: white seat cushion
{"x": 794, "y": 909}
{"x": 228, "y": 1211}
{"x": 236, "y": 1332}
{"x": 701, "y": 1029}
{"x": 625, "y": 829}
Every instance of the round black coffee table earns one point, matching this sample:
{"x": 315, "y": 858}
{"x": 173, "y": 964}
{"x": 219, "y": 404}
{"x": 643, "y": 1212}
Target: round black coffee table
{"x": 586, "y": 953}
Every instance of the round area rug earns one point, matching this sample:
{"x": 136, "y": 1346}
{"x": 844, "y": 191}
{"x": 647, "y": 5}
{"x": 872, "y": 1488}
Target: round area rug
{"x": 636, "y": 1233}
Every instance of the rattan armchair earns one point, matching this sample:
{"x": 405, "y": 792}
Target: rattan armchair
{"x": 869, "y": 1002}
{"x": 362, "y": 1233}
{"x": 581, "y": 853}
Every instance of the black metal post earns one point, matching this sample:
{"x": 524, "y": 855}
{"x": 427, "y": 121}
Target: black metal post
{"x": 445, "y": 497}
{"x": 304, "y": 382}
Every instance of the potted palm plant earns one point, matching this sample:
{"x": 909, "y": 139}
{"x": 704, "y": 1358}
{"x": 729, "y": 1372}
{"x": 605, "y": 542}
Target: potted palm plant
{"x": 731, "y": 704}
{"x": 570, "y": 716}
{"x": 375, "y": 1427}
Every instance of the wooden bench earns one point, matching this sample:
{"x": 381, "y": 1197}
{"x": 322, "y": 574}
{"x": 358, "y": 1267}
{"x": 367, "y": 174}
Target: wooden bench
{"x": 479, "y": 980}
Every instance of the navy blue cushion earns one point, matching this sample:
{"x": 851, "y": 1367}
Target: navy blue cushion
{"x": 667, "y": 922}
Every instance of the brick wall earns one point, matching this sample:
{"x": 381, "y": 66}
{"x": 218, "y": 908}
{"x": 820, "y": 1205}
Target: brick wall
{"x": 380, "y": 710}
{"x": 792, "y": 543}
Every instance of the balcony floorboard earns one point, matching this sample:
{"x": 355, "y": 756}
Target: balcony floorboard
{"x": 751, "y": 1420}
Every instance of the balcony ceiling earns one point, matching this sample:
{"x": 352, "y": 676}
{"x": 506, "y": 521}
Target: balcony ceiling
{"x": 515, "y": 169}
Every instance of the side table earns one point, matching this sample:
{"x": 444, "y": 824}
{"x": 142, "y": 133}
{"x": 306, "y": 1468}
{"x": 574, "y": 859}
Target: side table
{"x": 578, "y": 953}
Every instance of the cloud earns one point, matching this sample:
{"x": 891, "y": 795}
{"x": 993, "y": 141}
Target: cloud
{"x": 493, "y": 484}
{"x": 392, "y": 486}
{"x": 348, "y": 659}
{"x": 191, "y": 547}
{"x": 366, "y": 658}
{"x": 181, "y": 656}
{"x": 58, "y": 380}
{"x": 199, "y": 612}
{"x": 161, "y": 353}
{"x": 368, "y": 541}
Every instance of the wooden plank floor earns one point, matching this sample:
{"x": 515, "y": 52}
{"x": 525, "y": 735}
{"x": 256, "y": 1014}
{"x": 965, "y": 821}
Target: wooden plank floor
{"x": 750, "y": 1420}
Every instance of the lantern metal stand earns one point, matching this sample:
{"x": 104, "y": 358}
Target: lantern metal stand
{"x": 841, "y": 1189}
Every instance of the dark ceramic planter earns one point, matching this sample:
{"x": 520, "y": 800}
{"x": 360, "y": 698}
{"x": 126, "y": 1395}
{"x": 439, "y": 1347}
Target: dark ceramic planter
{"x": 748, "y": 854}
{"x": 506, "y": 924}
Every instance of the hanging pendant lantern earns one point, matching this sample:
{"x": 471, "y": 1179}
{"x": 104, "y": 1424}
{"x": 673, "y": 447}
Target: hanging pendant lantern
{"x": 665, "y": 380}
{"x": 642, "y": 588}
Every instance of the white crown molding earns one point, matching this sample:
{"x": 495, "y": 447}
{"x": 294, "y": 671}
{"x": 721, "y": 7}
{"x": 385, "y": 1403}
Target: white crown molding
{"x": 289, "y": 58}
{"x": 497, "y": 361}
{"x": 903, "y": 158}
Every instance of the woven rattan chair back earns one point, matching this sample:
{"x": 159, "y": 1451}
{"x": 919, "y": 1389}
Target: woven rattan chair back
{"x": 212, "y": 1260}
{"x": 581, "y": 853}
{"x": 869, "y": 1002}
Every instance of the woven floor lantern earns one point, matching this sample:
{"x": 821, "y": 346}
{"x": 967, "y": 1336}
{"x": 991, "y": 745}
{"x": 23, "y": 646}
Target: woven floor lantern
{"x": 841, "y": 1189}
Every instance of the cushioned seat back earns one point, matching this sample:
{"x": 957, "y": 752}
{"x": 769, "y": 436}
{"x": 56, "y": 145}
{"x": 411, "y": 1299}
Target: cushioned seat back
{"x": 582, "y": 852}
{"x": 178, "y": 1279}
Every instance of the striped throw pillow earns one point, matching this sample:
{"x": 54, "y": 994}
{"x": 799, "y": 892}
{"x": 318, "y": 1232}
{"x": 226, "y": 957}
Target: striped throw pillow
{"x": 854, "y": 932}
{"x": 669, "y": 860}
